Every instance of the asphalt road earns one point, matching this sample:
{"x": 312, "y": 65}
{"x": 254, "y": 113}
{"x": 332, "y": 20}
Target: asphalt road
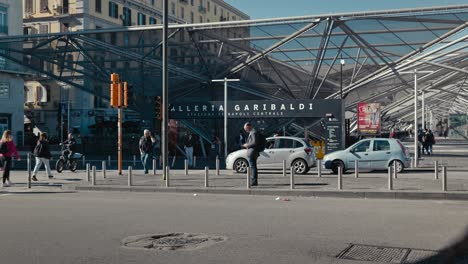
{"x": 88, "y": 227}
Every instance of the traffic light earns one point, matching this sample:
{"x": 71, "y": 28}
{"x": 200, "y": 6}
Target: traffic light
{"x": 114, "y": 95}
{"x": 114, "y": 90}
{"x": 125, "y": 94}
{"x": 158, "y": 107}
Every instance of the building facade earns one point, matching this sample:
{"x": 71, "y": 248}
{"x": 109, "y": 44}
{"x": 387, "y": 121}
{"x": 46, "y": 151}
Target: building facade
{"x": 47, "y": 100}
{"x": 11, "y": 75}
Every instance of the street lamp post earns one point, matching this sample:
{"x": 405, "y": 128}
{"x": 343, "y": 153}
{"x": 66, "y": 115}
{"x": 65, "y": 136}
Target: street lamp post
{"x": 342, "y": 62}
{"x": 416, "y": 72}
{"x": 225, "y": 80}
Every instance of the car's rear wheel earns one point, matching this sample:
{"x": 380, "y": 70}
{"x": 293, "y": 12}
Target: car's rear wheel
{"x": 241, "y": 165}
{"x": 300, "y": 166}
{"x": 399, "y": 166}
{"x": 337, "y": 164}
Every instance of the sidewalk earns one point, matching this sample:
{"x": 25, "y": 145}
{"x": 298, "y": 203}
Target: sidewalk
{"x": 415, "y": 184}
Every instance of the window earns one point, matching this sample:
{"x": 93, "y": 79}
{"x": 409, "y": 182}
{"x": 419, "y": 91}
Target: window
{"x": 3, "y": 20}
{"x": 44, "y": 6}
{"x": 284, "y": 143}
{"x": 173, "y": 8}
{"x": 201, "y": 19}
{"x": 28, "y": 6}
{"x": 43, "y": 29}
{"x": 208, "y": 6}
{"x": 381, "y": 145}
{"x": 98, "y": 6}
{"x": 182, "y": 12}
{"x": 113, "y": 10}
{"x": 192, "y": 2}
{"x": 215, "y": 9}
{"x": 362, "y": 147}
{"x": 141, "y": 19}
{"x": 4, "y": 90}
{"x": 192, "y": 19}
{"x": 153, "y": 2}
{"x": 127, "y": 19}
{"x": 152, "y": 21}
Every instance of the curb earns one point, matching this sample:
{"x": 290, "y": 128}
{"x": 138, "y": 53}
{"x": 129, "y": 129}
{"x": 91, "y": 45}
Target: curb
{"x": 298, "y": 193}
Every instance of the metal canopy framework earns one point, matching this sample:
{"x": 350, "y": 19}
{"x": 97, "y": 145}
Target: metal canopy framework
{"x": 282, "y": 58}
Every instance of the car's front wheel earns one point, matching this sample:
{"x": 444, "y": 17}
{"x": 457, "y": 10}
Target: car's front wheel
{"x": 241, "y": 165}
{"x": 336, "y": 165}
{"x": 300, "y": 166}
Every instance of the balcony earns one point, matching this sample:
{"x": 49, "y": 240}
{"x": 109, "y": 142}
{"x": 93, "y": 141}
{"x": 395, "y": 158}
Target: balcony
{"x": 202, "y": 9}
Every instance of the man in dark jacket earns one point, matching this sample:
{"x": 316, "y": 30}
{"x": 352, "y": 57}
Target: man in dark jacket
{"x": 146, "y": 149}
{"x": 252, "y": 152}
{"x": 43, "y": 155}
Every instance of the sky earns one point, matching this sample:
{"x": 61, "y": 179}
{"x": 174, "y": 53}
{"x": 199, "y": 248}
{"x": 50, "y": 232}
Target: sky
{"x": 287, "y": 8}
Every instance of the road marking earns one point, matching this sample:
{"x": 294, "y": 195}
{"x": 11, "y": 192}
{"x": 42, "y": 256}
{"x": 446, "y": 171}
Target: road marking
{"x": 5, "y": 194}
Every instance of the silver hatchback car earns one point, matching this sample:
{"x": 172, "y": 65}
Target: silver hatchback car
{"x": 297, "y": 153}
{"x": 371, "y": 154}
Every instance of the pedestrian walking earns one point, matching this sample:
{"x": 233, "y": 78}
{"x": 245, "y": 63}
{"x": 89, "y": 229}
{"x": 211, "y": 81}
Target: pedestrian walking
{"x": 255, "y": 144}
{"x": 43, "y": 155}
{"x": 146, "y": 149}
{"x": 7, "y": 151}
{"x": 430, "y": 140}
{"x": 188, "y": 147}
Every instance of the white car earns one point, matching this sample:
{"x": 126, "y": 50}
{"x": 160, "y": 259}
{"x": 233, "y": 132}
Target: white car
{"x": 297, "y": 152}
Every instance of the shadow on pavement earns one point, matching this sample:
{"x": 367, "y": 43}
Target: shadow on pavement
{"x": 454, "y": 254}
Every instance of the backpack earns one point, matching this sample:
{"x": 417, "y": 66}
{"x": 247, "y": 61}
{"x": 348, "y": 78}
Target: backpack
{"x": 38, "y": 150}
{"x": 3, "y": 148}
{"x": 261, "y": 142}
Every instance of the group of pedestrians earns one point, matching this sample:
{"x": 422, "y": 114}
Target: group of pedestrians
{"x": 426, "y": 140}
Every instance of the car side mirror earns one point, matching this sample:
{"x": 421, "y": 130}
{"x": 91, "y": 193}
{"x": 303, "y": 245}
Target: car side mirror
{"x": 351, "y": 150}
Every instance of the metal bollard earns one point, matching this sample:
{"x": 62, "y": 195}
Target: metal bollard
{"x": 109, "y": 161}
{"x": 93, "y": 183}
{"x": 173, "y": 161}
{"x": 248, "y": 177}
{"x": 84, "y": 161}
{"x": 395, "y": 171}
{"x": 436, "y": 169}
{"x": 103, "y": 169}
{"x": 12, "y": 162}
{"x": 154, "y": 167}
{"x": 207, "y": 171}
{"x": 444, "y": 178}
{"x": 356, "y": 168}
{"x": 186, "y": 167}
{"x": 319, "y": 168}
{"x": 284, "y": 168}
{"x": 167, "y": 175}
{"x": 412, "y": 163}
{"x": 160, "y": 162}
{"x": 390, "y": 179}
{"x": 194, "y": 161}
{"x": 130, "y": 176}
{"x": 340, "y": 178}
{"x": 217, "y": 166}
{"x": 134, "y": 160}
{"x": 88, "y": 172}
{"x": 29, "y": 170}
{"x": 291, "y": 181}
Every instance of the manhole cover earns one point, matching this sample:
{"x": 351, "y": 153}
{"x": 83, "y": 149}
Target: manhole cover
{"x": 172, "y": 241}
{"x": 374, "y": 254}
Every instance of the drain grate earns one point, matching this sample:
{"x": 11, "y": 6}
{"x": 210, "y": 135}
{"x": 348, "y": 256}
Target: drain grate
{"x": 384, "y": 254}
{"x": 172, "y": 241}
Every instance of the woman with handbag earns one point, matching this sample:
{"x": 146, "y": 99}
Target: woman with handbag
{"x": 7, "y": 150}
{"x": 42, "y": 154}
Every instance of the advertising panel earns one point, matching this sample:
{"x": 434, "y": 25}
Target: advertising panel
{"x": 369, "y": 122}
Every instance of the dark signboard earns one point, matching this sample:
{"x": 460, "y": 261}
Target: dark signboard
{"x": 256, "y": 109}
{"x": 334, "y": 136}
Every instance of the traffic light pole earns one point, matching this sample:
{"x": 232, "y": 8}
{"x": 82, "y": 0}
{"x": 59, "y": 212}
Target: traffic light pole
{"x": 165, "y": 84}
